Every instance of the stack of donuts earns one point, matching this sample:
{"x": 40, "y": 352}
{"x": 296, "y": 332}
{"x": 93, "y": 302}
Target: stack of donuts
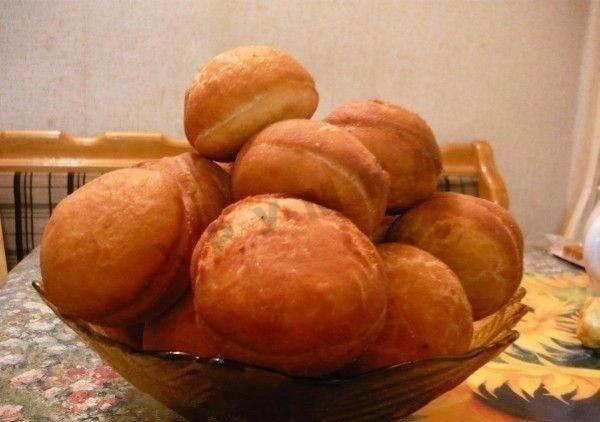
{"x": 308, "y": 247}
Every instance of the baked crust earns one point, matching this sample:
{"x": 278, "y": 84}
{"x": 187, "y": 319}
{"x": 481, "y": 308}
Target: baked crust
{"x": 204, "y": 185}
{"x": 239, "y": 92}
{"x": 500, "y": 212}
{"x": 473, "y": 239}
{"x": 130, "y": 335}
{"x": 117, "y": 251}
{"x": 428, "y": 312}
{"x": 288, "y": 284}
{"x": 106, "y": 251}
{"x": 317, "y": 162}
{"x": 176, "y": 330}
{"x": 401, "y": 141}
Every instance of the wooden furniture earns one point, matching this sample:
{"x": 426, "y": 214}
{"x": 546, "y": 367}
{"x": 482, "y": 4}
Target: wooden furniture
{"x": 55, "y": 151}
{"x": 59, "y": 151}
{"x": 476, "y": 159}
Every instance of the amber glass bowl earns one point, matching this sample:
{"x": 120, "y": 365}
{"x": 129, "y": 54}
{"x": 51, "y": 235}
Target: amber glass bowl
{"x": 219, "y": 389}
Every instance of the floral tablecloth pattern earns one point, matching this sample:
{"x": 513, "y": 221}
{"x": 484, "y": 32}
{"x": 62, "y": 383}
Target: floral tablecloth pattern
{"x": 47, "y": 374}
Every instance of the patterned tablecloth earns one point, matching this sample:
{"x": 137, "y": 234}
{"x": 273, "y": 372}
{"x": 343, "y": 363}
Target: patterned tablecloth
{"x": 46, "y": 373}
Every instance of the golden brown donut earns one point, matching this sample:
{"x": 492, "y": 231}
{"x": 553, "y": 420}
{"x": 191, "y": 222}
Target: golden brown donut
{"x": 317, "y": 162}
{"x": 205, "y": 187}
{"x": 239, "y": 92}
{"x": 106, "y": 253}
{"x": 428, "y": 311}
{"x": 205, "y": 191}
{"x": 130, "y": 336}
{"x": 401, "y": 141}
{"x": 500, "y": 212}
{"x": 480, "y": 242}
{"x": 135, "y": 229}
{"x": 176, "y": 330}
{"x": 288, "y": 284}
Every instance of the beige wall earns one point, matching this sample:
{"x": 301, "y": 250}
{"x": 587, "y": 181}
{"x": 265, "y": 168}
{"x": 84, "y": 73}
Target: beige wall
{"x": 503, "y": 71}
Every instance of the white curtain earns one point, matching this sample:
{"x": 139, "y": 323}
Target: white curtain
{"x": 584, "y": 180}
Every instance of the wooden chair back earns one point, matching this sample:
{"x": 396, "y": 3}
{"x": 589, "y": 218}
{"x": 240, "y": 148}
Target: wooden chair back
{"x": 476, "y": 159}
{"x": 58, "y": 151}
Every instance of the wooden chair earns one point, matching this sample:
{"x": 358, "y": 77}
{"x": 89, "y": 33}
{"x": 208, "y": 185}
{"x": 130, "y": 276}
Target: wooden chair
{"x": 476, "y": 160}
{"x": 54, "y": 151}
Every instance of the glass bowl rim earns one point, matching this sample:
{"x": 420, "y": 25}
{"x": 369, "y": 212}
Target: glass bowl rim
{"x": 335, "y": 378}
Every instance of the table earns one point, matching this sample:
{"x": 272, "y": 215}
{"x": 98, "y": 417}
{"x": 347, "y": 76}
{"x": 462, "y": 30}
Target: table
{"x": 46, "y": 373}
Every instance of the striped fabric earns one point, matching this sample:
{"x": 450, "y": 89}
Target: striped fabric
{"x": 461, "y": 184}
{"x": 28, "y": 199}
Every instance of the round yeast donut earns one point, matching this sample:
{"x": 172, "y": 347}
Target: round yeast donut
{"x": 317, "y": 162}
{"x": 482, "y": 245}
{"x": 266, "y": 296}
{"x": 239, "y": 92}
{"x": 204, "y": 185}
{"x": 205, "y": 191}
{"x": 211, "y": 191}
{"x": 401, "y": 141}
{"x": 176, "y": 330}
{"x": 428, "y": 311}
{"x": 110, "y": 253}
